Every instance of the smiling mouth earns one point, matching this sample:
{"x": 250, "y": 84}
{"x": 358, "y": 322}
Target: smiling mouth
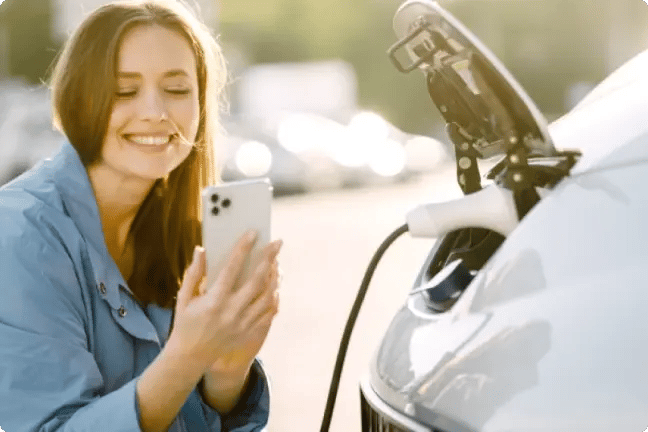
{"x": 149, "y": 141}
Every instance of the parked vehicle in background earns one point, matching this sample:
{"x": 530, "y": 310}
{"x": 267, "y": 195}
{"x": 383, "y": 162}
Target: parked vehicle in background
{"x": 308, "y": 112}
{"x": 529, "y": 313}
{"x": 266, "y": 92}
{"x": 248, "y": 152}
{"x": 366, "y": 151}
{"x": 307, "y": 152}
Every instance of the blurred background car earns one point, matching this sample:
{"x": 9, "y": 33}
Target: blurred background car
{"x": 306, "y": 152}
{"x": 249, "y": 153}
{"x": 307, "y": 114}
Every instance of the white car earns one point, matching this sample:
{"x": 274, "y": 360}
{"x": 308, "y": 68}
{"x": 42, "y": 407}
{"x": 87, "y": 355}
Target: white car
{"x": 535, "y": 323}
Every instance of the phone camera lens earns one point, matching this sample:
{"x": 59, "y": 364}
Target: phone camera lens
{"x": 226, "y": 202}
{"x": 214, "y": 198}
{"x": 215, "y": 211}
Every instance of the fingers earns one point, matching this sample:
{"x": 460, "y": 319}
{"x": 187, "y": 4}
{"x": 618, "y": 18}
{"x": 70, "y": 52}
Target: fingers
{"x": 274, "y": 272}
{"x": 193, "y": 276}
{"x": 266, "y": 300}
{"x": 231, "y": 271}
{"x": 279, "y": 274}
{"x": 201, "y": 272}
{"x": 260, "y": 327}
{"x": 254, "y": 285}
{"x": 255, "y": 296}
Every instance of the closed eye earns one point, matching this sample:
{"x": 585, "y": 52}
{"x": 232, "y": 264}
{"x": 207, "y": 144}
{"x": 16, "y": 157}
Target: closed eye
{"x": 125, "y": 93}
{"x": 178, "y": 91}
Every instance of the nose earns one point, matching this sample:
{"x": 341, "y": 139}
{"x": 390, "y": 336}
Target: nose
{"x": 152, "y": 106}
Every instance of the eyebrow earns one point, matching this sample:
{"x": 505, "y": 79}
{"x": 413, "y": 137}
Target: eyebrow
{"x": 168, "y": 74}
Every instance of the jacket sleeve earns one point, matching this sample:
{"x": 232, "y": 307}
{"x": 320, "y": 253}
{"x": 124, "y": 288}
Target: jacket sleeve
{"x": 49, "y": 380}
{"x": 252, "y": 411}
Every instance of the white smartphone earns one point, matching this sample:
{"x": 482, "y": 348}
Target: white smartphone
{"x": 229, "y": 211}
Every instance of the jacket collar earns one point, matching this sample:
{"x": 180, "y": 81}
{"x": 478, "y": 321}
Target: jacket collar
{"x": 71, "y": 179}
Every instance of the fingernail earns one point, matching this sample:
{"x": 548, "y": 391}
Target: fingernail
{"x": 250, "y": 236}
{"x": 277, "y": 246}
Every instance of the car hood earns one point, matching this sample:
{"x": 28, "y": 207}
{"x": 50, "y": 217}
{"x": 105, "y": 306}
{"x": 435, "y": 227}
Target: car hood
{"x": 619, "y": 108}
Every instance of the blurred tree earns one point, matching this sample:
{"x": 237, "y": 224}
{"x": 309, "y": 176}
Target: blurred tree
{"x": 28, "y": 31}
{"x": 357, "y": 31}
{"x": 548, "y": 45}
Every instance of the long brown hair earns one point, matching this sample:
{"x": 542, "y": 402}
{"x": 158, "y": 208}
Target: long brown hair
{"x": 167, "y": 226}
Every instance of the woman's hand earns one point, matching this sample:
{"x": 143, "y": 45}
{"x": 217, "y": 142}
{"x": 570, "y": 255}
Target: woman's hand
{"x": 256, "y": 318}
{"x": 222, "y": 330}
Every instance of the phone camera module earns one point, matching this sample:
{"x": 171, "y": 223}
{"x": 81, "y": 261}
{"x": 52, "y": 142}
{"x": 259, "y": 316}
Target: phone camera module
{"x": 215, "y": 211}
{"x": 214, "y": 198}
{"x": 226, "y": 202}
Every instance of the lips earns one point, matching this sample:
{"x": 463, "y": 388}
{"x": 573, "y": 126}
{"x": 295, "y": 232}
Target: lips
{"x": 149, "y": 142}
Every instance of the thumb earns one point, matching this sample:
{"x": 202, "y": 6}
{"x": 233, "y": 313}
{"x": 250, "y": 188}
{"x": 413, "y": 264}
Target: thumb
{"x": 193, "y": 276}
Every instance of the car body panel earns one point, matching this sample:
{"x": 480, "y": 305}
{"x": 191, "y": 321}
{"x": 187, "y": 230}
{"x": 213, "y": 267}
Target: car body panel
{"x": 543, "y": 338}
{"x": 549, "y": 334}
{"x": 606, "y": 121}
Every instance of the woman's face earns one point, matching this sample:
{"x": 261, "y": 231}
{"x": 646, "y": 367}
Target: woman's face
{"x": 155, "y": 115}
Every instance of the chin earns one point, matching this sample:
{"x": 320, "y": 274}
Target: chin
{"x": 153, "y": 172}
{"x": 153, "y": 167}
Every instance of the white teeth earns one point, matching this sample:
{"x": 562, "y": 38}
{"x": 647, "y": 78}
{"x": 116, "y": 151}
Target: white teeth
{"x": 150, "y": 140}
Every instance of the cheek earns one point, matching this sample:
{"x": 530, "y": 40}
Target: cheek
{"x": 186, "y": 116}
{"x": 118, "y": 116}
{"x": 110, "y": 141}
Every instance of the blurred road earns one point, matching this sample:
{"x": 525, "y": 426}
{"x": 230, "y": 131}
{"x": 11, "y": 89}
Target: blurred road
{"x": 329, "y": 239}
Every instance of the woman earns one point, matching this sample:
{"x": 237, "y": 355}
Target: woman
{"x": 97, "y": 243}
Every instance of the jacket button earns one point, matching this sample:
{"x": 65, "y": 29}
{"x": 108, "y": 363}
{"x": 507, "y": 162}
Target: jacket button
{"x": 122, "y": 311}
{"x": 102, "y": 288}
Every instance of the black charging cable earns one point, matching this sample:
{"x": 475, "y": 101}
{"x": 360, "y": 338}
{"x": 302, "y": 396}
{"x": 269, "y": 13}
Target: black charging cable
{"x": 353, "y": 316}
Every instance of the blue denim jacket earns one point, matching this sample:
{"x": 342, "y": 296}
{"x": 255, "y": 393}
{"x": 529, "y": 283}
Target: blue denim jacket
{"x": 73, "y": 341}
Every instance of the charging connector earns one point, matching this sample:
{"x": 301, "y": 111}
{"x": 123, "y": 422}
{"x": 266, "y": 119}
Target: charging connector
{"x": 492, "y": 207}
